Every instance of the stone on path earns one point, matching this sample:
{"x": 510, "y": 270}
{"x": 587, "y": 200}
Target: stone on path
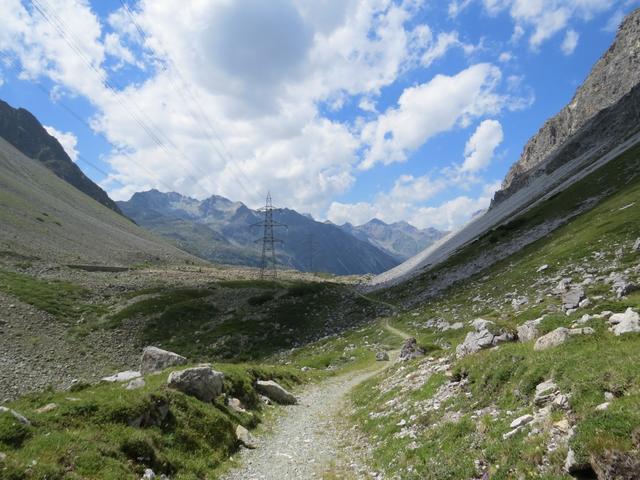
{"x": 155, "y": 359}
{"x": 275, "y": 392}
{"x": 244, "y": 437}
{"x": 204, "y": 383}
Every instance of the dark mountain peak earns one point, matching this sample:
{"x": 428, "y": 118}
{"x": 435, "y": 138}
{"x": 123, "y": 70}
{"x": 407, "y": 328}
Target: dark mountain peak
{"x": 22, "y": 129}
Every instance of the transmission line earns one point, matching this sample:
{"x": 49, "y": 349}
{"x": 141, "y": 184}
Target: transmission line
{"x": 268, "y": 263}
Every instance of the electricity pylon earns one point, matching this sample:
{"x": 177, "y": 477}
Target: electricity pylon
{"x": 268, "y": 269}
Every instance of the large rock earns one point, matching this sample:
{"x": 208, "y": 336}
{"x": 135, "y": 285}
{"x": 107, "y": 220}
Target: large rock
{"x": 204, "y": 383}
{"x": 482, "y": 338}
{"x": 552, "y": 339}
{"x": 621, "y": 285}
{"x": 155, "y": 359}
{"x": 122, "y": 376}
{"x": 627, "y": 322}
{"x": 529, "y": 330}
{"x": 382, "y": 356}
{"x": 572, "y": 298}
{"x": 410, "y": 350}
{"x": 275, "y": 392}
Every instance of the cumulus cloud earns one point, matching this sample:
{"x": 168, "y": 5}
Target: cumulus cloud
{"x": 431, "y": 108}
{"x": 482, "y": 145}
{"x": 67, "y": 139}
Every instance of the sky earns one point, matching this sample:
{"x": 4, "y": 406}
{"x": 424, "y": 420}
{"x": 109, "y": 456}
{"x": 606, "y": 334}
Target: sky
{"x": 348, "y": 110}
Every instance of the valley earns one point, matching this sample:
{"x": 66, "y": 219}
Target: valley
{"x": 145, "y": 339}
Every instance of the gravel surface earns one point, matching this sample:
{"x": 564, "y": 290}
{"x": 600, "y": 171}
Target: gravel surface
{"x": 311, "y": 439}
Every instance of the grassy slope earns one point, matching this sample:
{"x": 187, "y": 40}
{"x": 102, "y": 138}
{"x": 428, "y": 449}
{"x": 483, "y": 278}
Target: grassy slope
{"x": 505, "y": 378}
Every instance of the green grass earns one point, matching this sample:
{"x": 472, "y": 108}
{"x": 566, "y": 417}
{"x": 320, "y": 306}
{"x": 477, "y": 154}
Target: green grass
{"x": 64, "y": 300}
{"x": 505, "y": 378}
{"x": 89, "y": 435}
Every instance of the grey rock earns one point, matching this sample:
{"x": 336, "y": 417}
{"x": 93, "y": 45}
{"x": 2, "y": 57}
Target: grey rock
{"x": 572, "y": 298}
{"x": 582, "y": 331}
{"x": 203, "y": 382}
{"x": 636, "y": 245}
{"x": 529, "y": 330}
{"x": 474, "y": 342}
{"x": 3, "y": 456}
{"x": 148, "y": 475}
{"x": 602, "y": 407}
{"x": 382, "y": 356}
{"x": 521, "y": 421}
{"x": 621, "y": 285}
{"x": 627, "y": 322}
{"x": 410, "y": 350}
{"x": 552, "y": 339}
{"x": 155, "y": 359}
{"x": 275, "y": 392}
{"x": 545, "y": 392}
{"x": 244, "y": 437}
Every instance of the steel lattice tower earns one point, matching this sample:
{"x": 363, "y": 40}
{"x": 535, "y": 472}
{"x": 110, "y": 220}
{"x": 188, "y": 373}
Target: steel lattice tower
{"x": 268, "y": 265}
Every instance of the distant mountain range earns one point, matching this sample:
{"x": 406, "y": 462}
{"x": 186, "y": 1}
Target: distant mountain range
{"x": 22, "y": 130}
{"x": 219, "y": 230}
{"x": 400, "y": 240}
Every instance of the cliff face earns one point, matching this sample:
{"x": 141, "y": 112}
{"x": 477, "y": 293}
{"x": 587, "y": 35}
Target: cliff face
{"x": 611, "y": 79}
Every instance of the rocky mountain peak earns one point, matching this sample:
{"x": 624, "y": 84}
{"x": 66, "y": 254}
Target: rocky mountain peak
{"x": 612, "y": 77}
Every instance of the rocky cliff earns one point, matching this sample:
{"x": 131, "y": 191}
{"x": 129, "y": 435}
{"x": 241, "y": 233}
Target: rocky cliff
{"x": 21, "y": 129}
{"x": 611, "y": 79}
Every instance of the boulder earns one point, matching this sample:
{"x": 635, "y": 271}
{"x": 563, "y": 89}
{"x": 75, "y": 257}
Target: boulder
{"x": 410, "y": 350}
{"x": 482, "y": 338}
{"x": 148, "y": 475}
{"x": 529, "y": 330}
{"x": 204, "y": 383}
{"x": 49, "y": 407}
{"x": 627, "y": 322}
{"x": 621, "y": 285}
{"x": 521, "y": 421}
{"x": 571, "y": 299}
{"x": 552, "y": 339}
{"x": 545, "y": 392}
{"x": 275, "y": 392}
{"x": 155, "y": 360}
{"x": 382, "y": 356}
{"x": 122, "y": 376}
{"x": 244, "y": 437}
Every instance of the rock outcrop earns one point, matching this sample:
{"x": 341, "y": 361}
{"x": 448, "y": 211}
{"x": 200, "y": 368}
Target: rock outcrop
{"x": 483, "y": 337}
{"x": 614, "y": 76}
{"x": 627, "y": 322}
{"x": 410, "y": 350}
{"x": 552, "y": 339}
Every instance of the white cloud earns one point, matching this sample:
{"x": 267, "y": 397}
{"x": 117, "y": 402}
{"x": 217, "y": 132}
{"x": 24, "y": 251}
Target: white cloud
{"x": 67, "y": 139}
{"x": 444, "y": 42}
{"x": 482, "y": 145}
{"x": 456, "y": 7}
{"x": 505, "y": 57}
{"x": 431, "y": 108}
{"x": 546, "y": 18}
{"x": 570, "y": 42}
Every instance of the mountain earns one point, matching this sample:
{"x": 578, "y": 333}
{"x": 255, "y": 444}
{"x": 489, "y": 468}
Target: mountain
{"x": 43, "y": 216}
{"x": 612, "y": 78}
{"x": 400, "y": 239}
{"x": 220, "y": 230}
{"x": 601, "y": 124}
{"x": 21, "y": 129}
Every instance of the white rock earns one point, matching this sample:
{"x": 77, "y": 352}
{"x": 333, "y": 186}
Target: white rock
{"x": 3, "y": 456}
{"x": 122, "y": 376}
{"x": 20, "y": 418}
{"x": 155, "y": 360}
{"x": 603, "y": 406}
{"x": 552, "y": 339}
{"x": 627, "y": 322}
{"x": 561, "y": 401}
{"x": 608, "y": 396}
{"x": 511, "y": 433}
{"x": 481, "y": 324}
{"x": 584, "y": 303}
{"x": 529, "y": 330}
{"x": 521, "y": 421}
{"x": 542, "y": 268}
{"x": 148, "y": 475}
{"x": 582, "y": 331}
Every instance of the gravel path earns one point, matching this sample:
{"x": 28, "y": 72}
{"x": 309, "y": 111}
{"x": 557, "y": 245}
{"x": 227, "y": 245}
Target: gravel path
{"x": 311, "y": 439}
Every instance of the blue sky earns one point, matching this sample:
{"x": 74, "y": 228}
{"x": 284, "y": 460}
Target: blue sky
{"x": 348, "y": 109}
